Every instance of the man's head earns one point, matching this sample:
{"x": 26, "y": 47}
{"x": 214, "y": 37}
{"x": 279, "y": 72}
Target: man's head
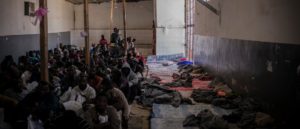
{"x": 73, "y": 51}
{"x": 116, "y": 30}
{"x": 18, "y": 85}
{"x": 43, "y": 88}
{"x": 66, "y": 53}
{"x": 56, "y": 52}
{"x": 128, "y": 39}
{"x": 83, "y": 81}
{"x": 125, "y": 71}
{"x": 134, "y": 54}
{"x": 129, "y": 55}
{"x": 106, "y": 83}
{"x": 298, "y": 70}
{"x": 61, "y": 45}
{"x": 71, "y": 70}
{"x": 102, "y": 36}
{"x": 91, "y": 77}
{"x": 101, "y": 102}
{"x": 133, "y": 40}
{"x": 93, "y": 45}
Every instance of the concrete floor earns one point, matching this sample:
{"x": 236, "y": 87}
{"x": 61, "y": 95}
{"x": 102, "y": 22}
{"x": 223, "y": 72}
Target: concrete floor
{"x": 139, "y": 117}
{"x": 3, "y": 125}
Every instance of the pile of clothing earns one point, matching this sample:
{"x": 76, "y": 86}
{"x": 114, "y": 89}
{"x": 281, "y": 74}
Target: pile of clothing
{"x": 182, "y": 80}
{"x": 153, "y": 93}
{"x": 156, "y": 92}
{"x": 211, "y": 97}
{"x": 197, "y": 72}
{"x": 237, "y": 120}
{"x": 205, "y": 120}
{"x": 246, "y": 112}
{"x": 203, "y": 96}
{"x": 220, "y": 95}
{"x": 186, "y": 74}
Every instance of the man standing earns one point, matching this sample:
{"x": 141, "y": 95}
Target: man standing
{"x": 115, "y": 37}
{"x": 116, "y": 44}
{"x": 103, "y": 45}
{"x": 103, "y": 41}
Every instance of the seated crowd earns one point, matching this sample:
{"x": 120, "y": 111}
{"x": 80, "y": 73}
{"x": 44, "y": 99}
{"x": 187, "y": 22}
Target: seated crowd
{"x": 77, "y": 96}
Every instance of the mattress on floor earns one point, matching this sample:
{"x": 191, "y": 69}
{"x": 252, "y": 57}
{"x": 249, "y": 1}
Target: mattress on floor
{"x": 159, "y": 123}
{"x": 168, "y": 111}
{"x": 168, "y": 117}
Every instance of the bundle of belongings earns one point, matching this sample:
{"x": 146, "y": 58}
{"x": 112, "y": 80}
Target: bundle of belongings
{"x": 186, "y": 74}
{"x": 212, "y": 97}
{"x": 207, "y": 120}
{"x": 197, "y": 72}
{"x": 183, "y": 80}
{"x": 158, "y": 94}
{"x": 155, "y": 92}
{"x": 246, "y": 112}
{"x": 221, "y": 95}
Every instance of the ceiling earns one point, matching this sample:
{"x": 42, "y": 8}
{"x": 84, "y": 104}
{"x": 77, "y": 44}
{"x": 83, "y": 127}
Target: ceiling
{"x": 101, "y": 1}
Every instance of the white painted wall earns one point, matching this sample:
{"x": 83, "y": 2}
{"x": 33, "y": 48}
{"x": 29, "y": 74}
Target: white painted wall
{"x": 258, "y": 20}
{"x": 170, "y": 31}
{"x": 61, "y": 16}
{"x": 139, "y": 21}
{"x": 13, "y": 21}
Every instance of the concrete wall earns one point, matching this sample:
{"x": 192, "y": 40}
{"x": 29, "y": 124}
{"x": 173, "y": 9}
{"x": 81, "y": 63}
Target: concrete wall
{"x": 17, "y": 33}
{"x": 170, "y": 22}
{"x": 254, "y": 45}
{"x": 139, "y": 22}
{"x": 61, "y": 16}
{"x": 257, "y": 20}
{"x": 265, "y": 71}
{"x": 13, "y": 21}
{"x": 18, "y": 45}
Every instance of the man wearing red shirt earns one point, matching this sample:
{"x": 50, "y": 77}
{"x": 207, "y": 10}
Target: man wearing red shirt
{"x": 103, "y": 44}
{"x": 103, "y": 41}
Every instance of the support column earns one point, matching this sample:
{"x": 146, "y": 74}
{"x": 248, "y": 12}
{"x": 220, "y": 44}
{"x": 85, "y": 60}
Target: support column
{"x": 86, "y": 29}
{"x": 112, "y": 5}
{"x": 154, "y": 39}
{"x": 124, "y": 23}
{"x": 44, "y": 43}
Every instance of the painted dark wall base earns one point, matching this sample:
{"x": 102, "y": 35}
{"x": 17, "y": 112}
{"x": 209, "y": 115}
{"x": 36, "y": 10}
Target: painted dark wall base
{"x": 18, "y": 45}
{"x": 265, "y": 71}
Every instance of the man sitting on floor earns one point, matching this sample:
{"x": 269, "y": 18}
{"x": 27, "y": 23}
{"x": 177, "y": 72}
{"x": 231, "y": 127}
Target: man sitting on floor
{"x": 102, "y": 116}
{"x": 83, "y": 92}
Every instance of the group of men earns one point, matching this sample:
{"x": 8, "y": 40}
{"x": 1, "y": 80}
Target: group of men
{"x": 117, "y": 45}
{"x": 77, "y": 96}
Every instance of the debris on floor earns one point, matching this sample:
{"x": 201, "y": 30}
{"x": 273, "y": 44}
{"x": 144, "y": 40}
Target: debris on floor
{"x": 168, "y": 85}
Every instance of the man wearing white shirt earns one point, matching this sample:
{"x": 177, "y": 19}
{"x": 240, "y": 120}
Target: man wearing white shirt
{"x": 83, "y": 92}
